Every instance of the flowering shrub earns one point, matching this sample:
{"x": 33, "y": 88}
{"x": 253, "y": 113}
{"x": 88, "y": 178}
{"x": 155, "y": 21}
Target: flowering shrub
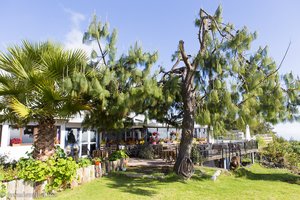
{"x": 154, "y": 137}
{"x": 15, "y": 141}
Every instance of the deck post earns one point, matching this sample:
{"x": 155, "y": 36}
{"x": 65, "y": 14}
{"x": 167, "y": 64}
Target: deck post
{"x": 225, "y": 163}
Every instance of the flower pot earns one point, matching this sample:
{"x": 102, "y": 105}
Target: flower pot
{"x": 97, "y": 163}
{"x": 15, "y": 145}
{"x": 123, "y": 163}
{"x": 114, "y": 165}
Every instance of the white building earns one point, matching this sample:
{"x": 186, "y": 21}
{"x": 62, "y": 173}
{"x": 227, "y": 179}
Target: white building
{"x": 71, "y": 132}
{"x": 87, "y": 140}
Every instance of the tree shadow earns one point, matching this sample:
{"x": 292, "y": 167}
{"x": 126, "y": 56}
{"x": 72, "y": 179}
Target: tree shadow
{"x": 136, "y": 186}
{"x": 146, "y": 186}
{"x": 283, "y": 177}
{"x": 139, "y": 186}
{"x": 200, "y": 175}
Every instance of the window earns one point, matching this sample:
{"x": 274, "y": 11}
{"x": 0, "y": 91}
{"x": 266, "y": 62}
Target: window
{"x": 15, "y": 132}
{"x": 72, "y": 136}
{"x": 26, "y": 134}
{"x": 88, "y": 142}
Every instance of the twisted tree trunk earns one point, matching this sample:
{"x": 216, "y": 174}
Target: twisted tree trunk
{"x": 184, "y": 165}
{"x": 44, "y": 139}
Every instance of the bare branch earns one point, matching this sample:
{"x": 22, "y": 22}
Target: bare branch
{"x": 185, "y": 58}
{"x": 176, "y": 64}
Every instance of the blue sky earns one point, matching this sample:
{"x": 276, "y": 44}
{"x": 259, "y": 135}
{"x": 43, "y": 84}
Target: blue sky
{"x": 157, "y": 25}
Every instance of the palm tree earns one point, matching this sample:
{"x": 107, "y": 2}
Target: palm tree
{"x": 33, "y": 78}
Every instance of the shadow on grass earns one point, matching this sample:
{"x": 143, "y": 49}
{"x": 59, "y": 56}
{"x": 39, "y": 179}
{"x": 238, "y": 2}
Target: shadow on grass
{"x": 146, "y": 186}
{"x": 138, "y": 186}
{"x": 284, "y": 177}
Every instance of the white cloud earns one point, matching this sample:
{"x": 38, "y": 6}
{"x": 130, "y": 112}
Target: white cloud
{"x": 76, "y": 17}
{"x": 288, "y": 130}
{"x": 73, "y": 39}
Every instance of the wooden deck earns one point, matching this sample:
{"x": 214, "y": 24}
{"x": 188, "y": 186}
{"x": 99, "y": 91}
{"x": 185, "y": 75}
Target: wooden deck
{"x": 208, "y": 152}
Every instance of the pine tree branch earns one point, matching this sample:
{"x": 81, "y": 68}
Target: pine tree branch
{"x": 177, "y": 71}
{"x": 245, "y": 100}
{"x": 275, "y": 71}
{"x": 102, "y": 53}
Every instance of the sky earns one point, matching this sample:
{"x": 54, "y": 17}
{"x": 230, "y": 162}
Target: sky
{"x": 157, "y": 25}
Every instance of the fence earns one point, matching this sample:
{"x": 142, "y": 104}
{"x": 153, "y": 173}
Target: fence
{"x": 206, "y": 151}
{"x": 26, "y": 190}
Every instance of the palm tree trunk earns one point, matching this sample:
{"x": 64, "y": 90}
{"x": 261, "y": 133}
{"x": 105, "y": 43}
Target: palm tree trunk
{"x": 44, "y": 139}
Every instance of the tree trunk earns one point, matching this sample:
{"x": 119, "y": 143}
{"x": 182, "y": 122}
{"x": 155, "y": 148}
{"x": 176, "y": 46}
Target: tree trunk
{"x": 44, "y": 139}
{"x": 184, "y": 165}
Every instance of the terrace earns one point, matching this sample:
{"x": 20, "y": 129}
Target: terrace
{"x": 220, "y": 152}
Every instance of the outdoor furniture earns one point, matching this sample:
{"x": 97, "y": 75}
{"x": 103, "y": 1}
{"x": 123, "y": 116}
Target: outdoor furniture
{"x": 101, "y": 153}
{"x": 157, "y": 150}
{"x": 169, "y": 153}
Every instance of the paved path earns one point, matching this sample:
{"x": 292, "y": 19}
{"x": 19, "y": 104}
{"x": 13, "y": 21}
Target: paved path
{"x": 134, "y": 162}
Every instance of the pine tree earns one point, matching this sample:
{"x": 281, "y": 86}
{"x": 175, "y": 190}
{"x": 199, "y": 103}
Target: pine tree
{"x": 118, "y": 86}
{"x": 224, "y": 85}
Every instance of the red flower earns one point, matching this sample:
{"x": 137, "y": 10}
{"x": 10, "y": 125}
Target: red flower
{"x": 15, "y": 141}
{"x": 154, "y": 137}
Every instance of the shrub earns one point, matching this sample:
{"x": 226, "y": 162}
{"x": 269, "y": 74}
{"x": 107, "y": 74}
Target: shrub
{"x": 58, "y": 171}
{"x": 281, "y": 153}
{"x": 62, "y": 173}
{"x": 33, "y": 170}
{"x": 59, "y": 152}
{"x": 8, "y": 174}
{"x": 3, "y": 190}
{"x": 146, "y": 152}
{"x": 84, "y": 162}
{"x": 117, "y": 155}
{"x": 3, "y": 159}
{"x": 196, "y": 155}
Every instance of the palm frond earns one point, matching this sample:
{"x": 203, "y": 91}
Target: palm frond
{"x": 20, "y": 109}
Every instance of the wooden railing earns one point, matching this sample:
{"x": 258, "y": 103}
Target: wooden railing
{"x": 206, "y": 151}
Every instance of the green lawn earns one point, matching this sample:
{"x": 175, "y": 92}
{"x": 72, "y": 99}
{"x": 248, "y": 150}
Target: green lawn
{"x": 249, "y": 183}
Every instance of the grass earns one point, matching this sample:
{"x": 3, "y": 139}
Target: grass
{"x": 255, "y": 182}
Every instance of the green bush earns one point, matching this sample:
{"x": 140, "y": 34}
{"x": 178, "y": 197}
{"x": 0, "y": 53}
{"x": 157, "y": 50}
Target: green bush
{"x": 84, "y": 162}
{"x": 146, "y": 152}
{"x": 246, "y": 160}
{"x": 59, "y": 172}
{"x": 282, "y": 153}
{"x": 62, "y": 173}
{"x": 8, "y": 174}
{"x": 117, "y": 155}
{"x": 3, "y": 190}
{"x": 33, "y": 170}
{"x": 196, "y": 155}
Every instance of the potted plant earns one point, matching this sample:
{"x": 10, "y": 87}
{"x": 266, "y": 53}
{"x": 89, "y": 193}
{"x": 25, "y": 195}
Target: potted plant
{"x": 15, "y": 142}
{"x": 97, "y": 161}
{"x": 154, "y": 138}
{"x": 118, "y": 159}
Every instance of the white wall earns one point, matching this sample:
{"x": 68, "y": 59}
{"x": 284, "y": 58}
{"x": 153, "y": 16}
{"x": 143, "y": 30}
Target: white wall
{"x": 16, "y": 152}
